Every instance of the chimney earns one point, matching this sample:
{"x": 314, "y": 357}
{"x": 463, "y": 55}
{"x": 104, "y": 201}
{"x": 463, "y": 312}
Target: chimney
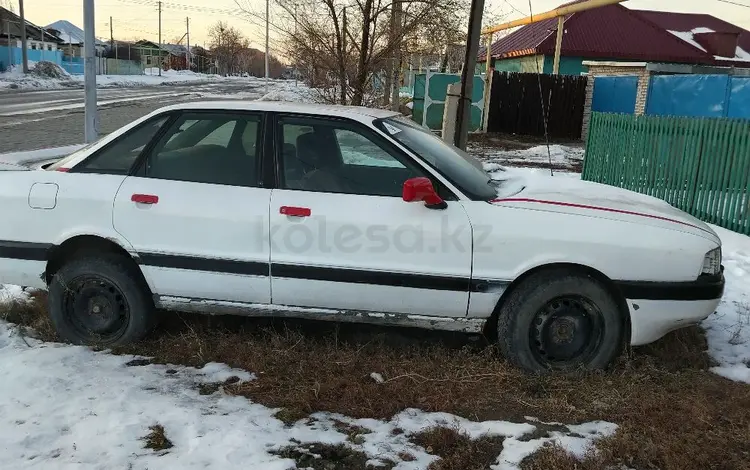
{"x": 718, "y": 44}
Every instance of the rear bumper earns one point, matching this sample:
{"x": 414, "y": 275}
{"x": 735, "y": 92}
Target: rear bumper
{"x": 656, "y": 308}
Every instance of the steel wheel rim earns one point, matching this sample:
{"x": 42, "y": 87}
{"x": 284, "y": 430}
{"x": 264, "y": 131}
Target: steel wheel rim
{"x": 96, "y": 308}
{"x": 566, "y": 332}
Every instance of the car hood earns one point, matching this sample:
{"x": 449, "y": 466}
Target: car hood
{"x": 573, "y": 196}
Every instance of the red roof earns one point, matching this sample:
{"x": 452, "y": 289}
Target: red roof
{"x": 691, "y": 21}
{"x": 615, "y": 32}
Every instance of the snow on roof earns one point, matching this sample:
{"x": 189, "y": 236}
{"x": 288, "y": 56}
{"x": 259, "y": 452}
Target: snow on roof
{"x": 69, "y": 33}
{"x": 740, "y": 54}
{"x": 687, "y": 36}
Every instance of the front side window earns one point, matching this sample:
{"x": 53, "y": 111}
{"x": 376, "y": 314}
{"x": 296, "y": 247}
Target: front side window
{"x": 339, "y": 157}
{"x": 460, "y": 168}
{"x": 208, "y": 148}
{"x": 119, "y": 156}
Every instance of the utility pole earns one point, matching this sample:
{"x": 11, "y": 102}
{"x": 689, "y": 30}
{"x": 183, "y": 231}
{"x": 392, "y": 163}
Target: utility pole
{"x": 268, "y": 19}
{"x": 24, "y": 53}
{"x": 187, "y": 54}
{"x": 111, "y": 34}
{"x": 89, "y": 83}
{"x": 463, "y": 115}
{"x": 10, "y": 49}
{"x": 160, "y": 58}
{"x": 558, "y": 44}
{"x": 397, "y": 34}
{"x": 342, "y": 71}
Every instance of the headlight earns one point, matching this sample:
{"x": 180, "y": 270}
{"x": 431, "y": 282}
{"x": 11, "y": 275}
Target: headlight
{"x": 712, "y": 262}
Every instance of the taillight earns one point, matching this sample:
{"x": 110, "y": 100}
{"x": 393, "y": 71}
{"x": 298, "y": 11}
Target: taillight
{"x": 64, "y": 170}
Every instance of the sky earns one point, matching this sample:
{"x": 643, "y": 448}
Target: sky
{"x": 138, "y": 19}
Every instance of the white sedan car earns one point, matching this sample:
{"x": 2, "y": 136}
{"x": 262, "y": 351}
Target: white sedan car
{"x": 347, "y": 214}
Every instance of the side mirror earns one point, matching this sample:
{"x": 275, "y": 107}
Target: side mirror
{"x": 421, "y": 189}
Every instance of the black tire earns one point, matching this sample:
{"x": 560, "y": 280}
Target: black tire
{"x": 560, "y": 320}
{"x": 100, "y": 300}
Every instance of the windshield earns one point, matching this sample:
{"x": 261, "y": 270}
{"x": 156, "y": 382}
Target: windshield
{"x": 460, "y": 168}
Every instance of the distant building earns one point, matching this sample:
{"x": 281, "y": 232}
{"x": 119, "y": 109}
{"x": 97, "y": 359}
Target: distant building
{"x": 72, "y": 38}
{"x": 617, "y": 33}
{"x": 40, "y": 43}
{"x": 173, "y": 56}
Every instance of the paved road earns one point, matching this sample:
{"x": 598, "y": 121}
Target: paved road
{"x": 52, "y": 118}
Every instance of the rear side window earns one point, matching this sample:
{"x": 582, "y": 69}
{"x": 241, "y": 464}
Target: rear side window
{"x": 119, "y": 156}
{"x": 213, "y": 148}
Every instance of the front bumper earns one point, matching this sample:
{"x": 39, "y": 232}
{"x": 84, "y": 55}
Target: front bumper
{"x": 656, "y": 308}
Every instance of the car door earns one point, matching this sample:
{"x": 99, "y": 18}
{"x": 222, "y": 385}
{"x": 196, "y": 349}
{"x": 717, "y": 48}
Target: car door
{"x": 195, "y": 211}
{"x": 343, "y": 238}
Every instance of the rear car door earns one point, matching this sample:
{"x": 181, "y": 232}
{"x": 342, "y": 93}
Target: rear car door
{"x": 343, "y": 238}
{"x": 195, "y": 210}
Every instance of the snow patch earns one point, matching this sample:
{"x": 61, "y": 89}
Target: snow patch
{"x": 68, "y": 406}
{"x": 687, "y": 36}
{"x": 728, "y": 329}
{"x": 558, "y": 155}
{"x": 10, "y": 293}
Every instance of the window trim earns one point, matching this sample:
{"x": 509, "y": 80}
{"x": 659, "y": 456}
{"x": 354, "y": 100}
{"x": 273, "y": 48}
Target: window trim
{"x": 369, "y": 132}
{"x": 80, "y": 167}
{"x": 139, "y": 168}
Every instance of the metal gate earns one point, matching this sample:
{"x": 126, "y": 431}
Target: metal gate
{"x": 430, "y": 92}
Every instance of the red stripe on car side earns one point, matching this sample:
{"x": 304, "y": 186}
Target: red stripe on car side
{"x": 596, "y": 208}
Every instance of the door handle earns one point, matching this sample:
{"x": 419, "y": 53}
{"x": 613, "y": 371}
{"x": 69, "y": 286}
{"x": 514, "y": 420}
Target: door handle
{"x": 144, "y": 198}
{"x": 295, "y": 211}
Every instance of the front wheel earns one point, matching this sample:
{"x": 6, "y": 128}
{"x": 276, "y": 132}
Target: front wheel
{"x": 560, "y": 320}
{"x": 100, "y": 300}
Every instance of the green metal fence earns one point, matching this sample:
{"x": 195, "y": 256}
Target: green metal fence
{"x": 699, "y": 165}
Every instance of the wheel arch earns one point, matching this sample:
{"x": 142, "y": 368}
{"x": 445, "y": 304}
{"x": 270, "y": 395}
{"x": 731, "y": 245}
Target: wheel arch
{"x": 79, "y": 245}
{"x": 491, "y": 326}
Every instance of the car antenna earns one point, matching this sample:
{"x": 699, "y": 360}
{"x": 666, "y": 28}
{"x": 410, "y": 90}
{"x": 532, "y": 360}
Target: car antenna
{"x": 541, "y": 102}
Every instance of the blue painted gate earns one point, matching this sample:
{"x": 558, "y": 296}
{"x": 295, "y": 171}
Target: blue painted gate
{"x": 699, "y": 96}
{"x": 615, "y": 94}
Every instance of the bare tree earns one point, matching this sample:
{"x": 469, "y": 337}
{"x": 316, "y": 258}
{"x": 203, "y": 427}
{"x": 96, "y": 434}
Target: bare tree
{"x": 344, "y": 46}
{"x": 8, "y": 5}
{"x": 226, "y": 43}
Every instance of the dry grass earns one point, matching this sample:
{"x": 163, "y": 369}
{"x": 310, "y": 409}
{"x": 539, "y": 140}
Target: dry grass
{"x": 156, "y": 439}
{"x": 457, "y": 450}
{"x": 672, "y": 412}
{"x": 328, "y": 457}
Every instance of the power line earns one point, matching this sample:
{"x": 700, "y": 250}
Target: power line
{"x": 735, "y": 3}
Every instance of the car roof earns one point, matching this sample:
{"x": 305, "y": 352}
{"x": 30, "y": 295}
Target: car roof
{"x": 355, "y": 112}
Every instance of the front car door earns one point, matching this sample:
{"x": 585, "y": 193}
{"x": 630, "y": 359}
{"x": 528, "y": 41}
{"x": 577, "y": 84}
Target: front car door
{"x": 343, "y": 238}
{"x": 195, "y": 211}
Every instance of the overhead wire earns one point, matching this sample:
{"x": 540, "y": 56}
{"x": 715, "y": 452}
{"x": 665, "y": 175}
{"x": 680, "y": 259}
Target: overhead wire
{"x": 541, "y": 102}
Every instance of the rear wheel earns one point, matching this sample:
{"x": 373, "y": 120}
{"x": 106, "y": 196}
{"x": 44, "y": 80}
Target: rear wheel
{"x": 559, "y": 320}
{"x": 100, "y": 300}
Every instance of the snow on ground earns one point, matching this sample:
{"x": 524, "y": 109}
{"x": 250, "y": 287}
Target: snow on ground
{"x": 560, "y": 154}
{"x": 68, "y": 406}
{"x": 287, "y": 90}
{"x": 728, "y": 330}
{"x": 151, "y": 77}
{"x": 16, "y": 79}
{"x": 565, "y": 157}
